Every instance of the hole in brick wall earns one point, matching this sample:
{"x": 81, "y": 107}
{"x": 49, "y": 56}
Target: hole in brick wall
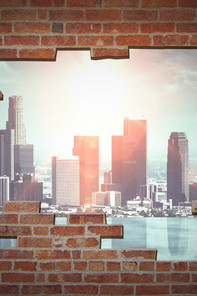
{"x": 79, "y": 96}
{"x": 7, "y": 242}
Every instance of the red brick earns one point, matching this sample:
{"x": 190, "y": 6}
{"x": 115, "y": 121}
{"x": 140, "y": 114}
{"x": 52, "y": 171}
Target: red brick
{"x": 177, "y": 15}
{"x": 170, "y": 40}
{"x": 98, "y": 53}
{"x": 16, "y": 254}
{"x": 95, "y": 40}
{"x": 34, "y": 242}
{"x": 146, "y": 266}
{"x": 13, "y": 3}
{"x": 86, "y": 219}
{"x": 46, "y": 3}
{"x": 100, "y": 254}
{"x": 8, "y": 54}
{"x": 137, "y": 278}
{"x": 25, "y": 265}
{"x": 96, "y": 266}
{"x": 43, "y": 14}
{"x": 157, "y": 27}
{"x": 121, "y": 3}
{"x": 107, "y": 230}
{"x": 58, "y": 41}
{"x": 67, "y": 230}
{"x": 9, "y": 289}
{"x": 19, "y": 207}
{"x": 8, "y": 218}
{"x": 180, "y": 266}
{"x": 64, "y": 277}
{"x": 42, "y": 289}
{"x": 113, "y": 266}
{"x": 101, "y": 278}
{"x": 84, "y": 3}
{"x": 47, "y": 266}
{"x": 173, "y": 277}
{"x": 129, "y": 266}
{"x": 66, "y": 15}
{"x": 21, "y": 40}
{"x": 80, "y": 265}
{"x": 39, "y": 230}
{"x": 194, "y": 277}
{"x": 117, "y": 28}
{"x": 36, "y": 219}
{"x": 184, "y": 289}
{"x": 5, "y": 28}
{"x": 52, "y": 254}
{"x": 116, "y": 290}
{"x": 152, "y": 290}
{"x": 103, "y": 15}
{"x": 140, "y": 15}
{"x": 163, "y": 266}
{"x": 133, "y": 40}
{"x": 76, "y": 254}
{"x": 193, "y": 265}
{"x": 159, "y": 3}
{"x": 63, "y": 266}
{"x": 83, "y": 242}
{"x": 81, "y": 289}
{"x": 188, "y": 3}
{"x": 37, "y": 54}
{"x": 79, "y": 28}
{"x": 193, "y": 40}
{"x": 15, "y": 230}
{"x": 5, "y": 265}
{"x": 40, "y": 278}
{"x": 17, "y": 277}
{"x": 33, "y": 27}
{"x": 186, "y": 28}
{"x": 18, "y": 14}
{"x": 57, "y": 242}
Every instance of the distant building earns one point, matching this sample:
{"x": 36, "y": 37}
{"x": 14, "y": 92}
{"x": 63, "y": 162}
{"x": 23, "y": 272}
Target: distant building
{"x": 109, "y": 187}
{"x": 4, "y": 190}
{"x": 108, "y": 177}
{"x": 26, "y": 189}
{"x": 193, "y": 191}
{"x": 129, "y": 159}
{"x": 146, "y": 191}
{"x": 66, "y": 181}
{"x": 178, "y": 168}
{"x": 15, "y": 155}
{"x": 87, "y": 148}
{"x": 108, "y": 198}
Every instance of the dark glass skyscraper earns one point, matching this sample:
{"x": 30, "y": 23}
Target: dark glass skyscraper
{"x": 87, "y": 148}
{"x": 129, "y": 159}
{"x": 178, "y": 168}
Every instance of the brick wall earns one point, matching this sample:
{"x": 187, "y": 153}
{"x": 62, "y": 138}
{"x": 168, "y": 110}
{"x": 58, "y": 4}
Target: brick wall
{"x": 35, "y": 29}
{"x": 67, "y": 260}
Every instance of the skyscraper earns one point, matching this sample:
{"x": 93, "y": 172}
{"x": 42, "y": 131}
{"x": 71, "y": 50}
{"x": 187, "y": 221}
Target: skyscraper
{"x": 15, "y": 155}
{"x": 178, "y": 168}
{"x": 129, "y": 159}
{"x": 4, "y": 190}
{"x": 65, "y": 181}
{"x": 87, "y": 148}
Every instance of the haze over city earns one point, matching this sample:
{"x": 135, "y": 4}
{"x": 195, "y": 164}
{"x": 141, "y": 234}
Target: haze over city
{"x": 78, "y": 96}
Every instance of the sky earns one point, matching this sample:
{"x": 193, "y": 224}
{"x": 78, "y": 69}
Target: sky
{"x": 78, "y": 96}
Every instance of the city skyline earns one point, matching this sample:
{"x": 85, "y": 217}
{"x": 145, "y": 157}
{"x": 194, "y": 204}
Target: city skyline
{"x": 86, "y": 97}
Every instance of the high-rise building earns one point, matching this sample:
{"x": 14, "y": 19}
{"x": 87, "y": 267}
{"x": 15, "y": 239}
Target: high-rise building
{"x": 87, "y": 148}
{"x": 65, "y": 181}
{"x": 4, "y": 190}
{"x": 178, "y": 168}
{"x": 15, "y": 155}
{"x": 129, "y": 159}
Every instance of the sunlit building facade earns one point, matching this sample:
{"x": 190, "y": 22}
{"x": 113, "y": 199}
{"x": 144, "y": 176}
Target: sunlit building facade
{"x": 178, "y": 168}
{"x": 129, "y": 159}
{"x": 65, "y": 181}
{"x": 87, "y": 148}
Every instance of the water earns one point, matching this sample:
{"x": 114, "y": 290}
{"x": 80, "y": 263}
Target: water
{"x": 174, "y": 238}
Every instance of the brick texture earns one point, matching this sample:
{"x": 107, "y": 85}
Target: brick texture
{"x": 36, "y": 29}
{"x": 67, "y": 260}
